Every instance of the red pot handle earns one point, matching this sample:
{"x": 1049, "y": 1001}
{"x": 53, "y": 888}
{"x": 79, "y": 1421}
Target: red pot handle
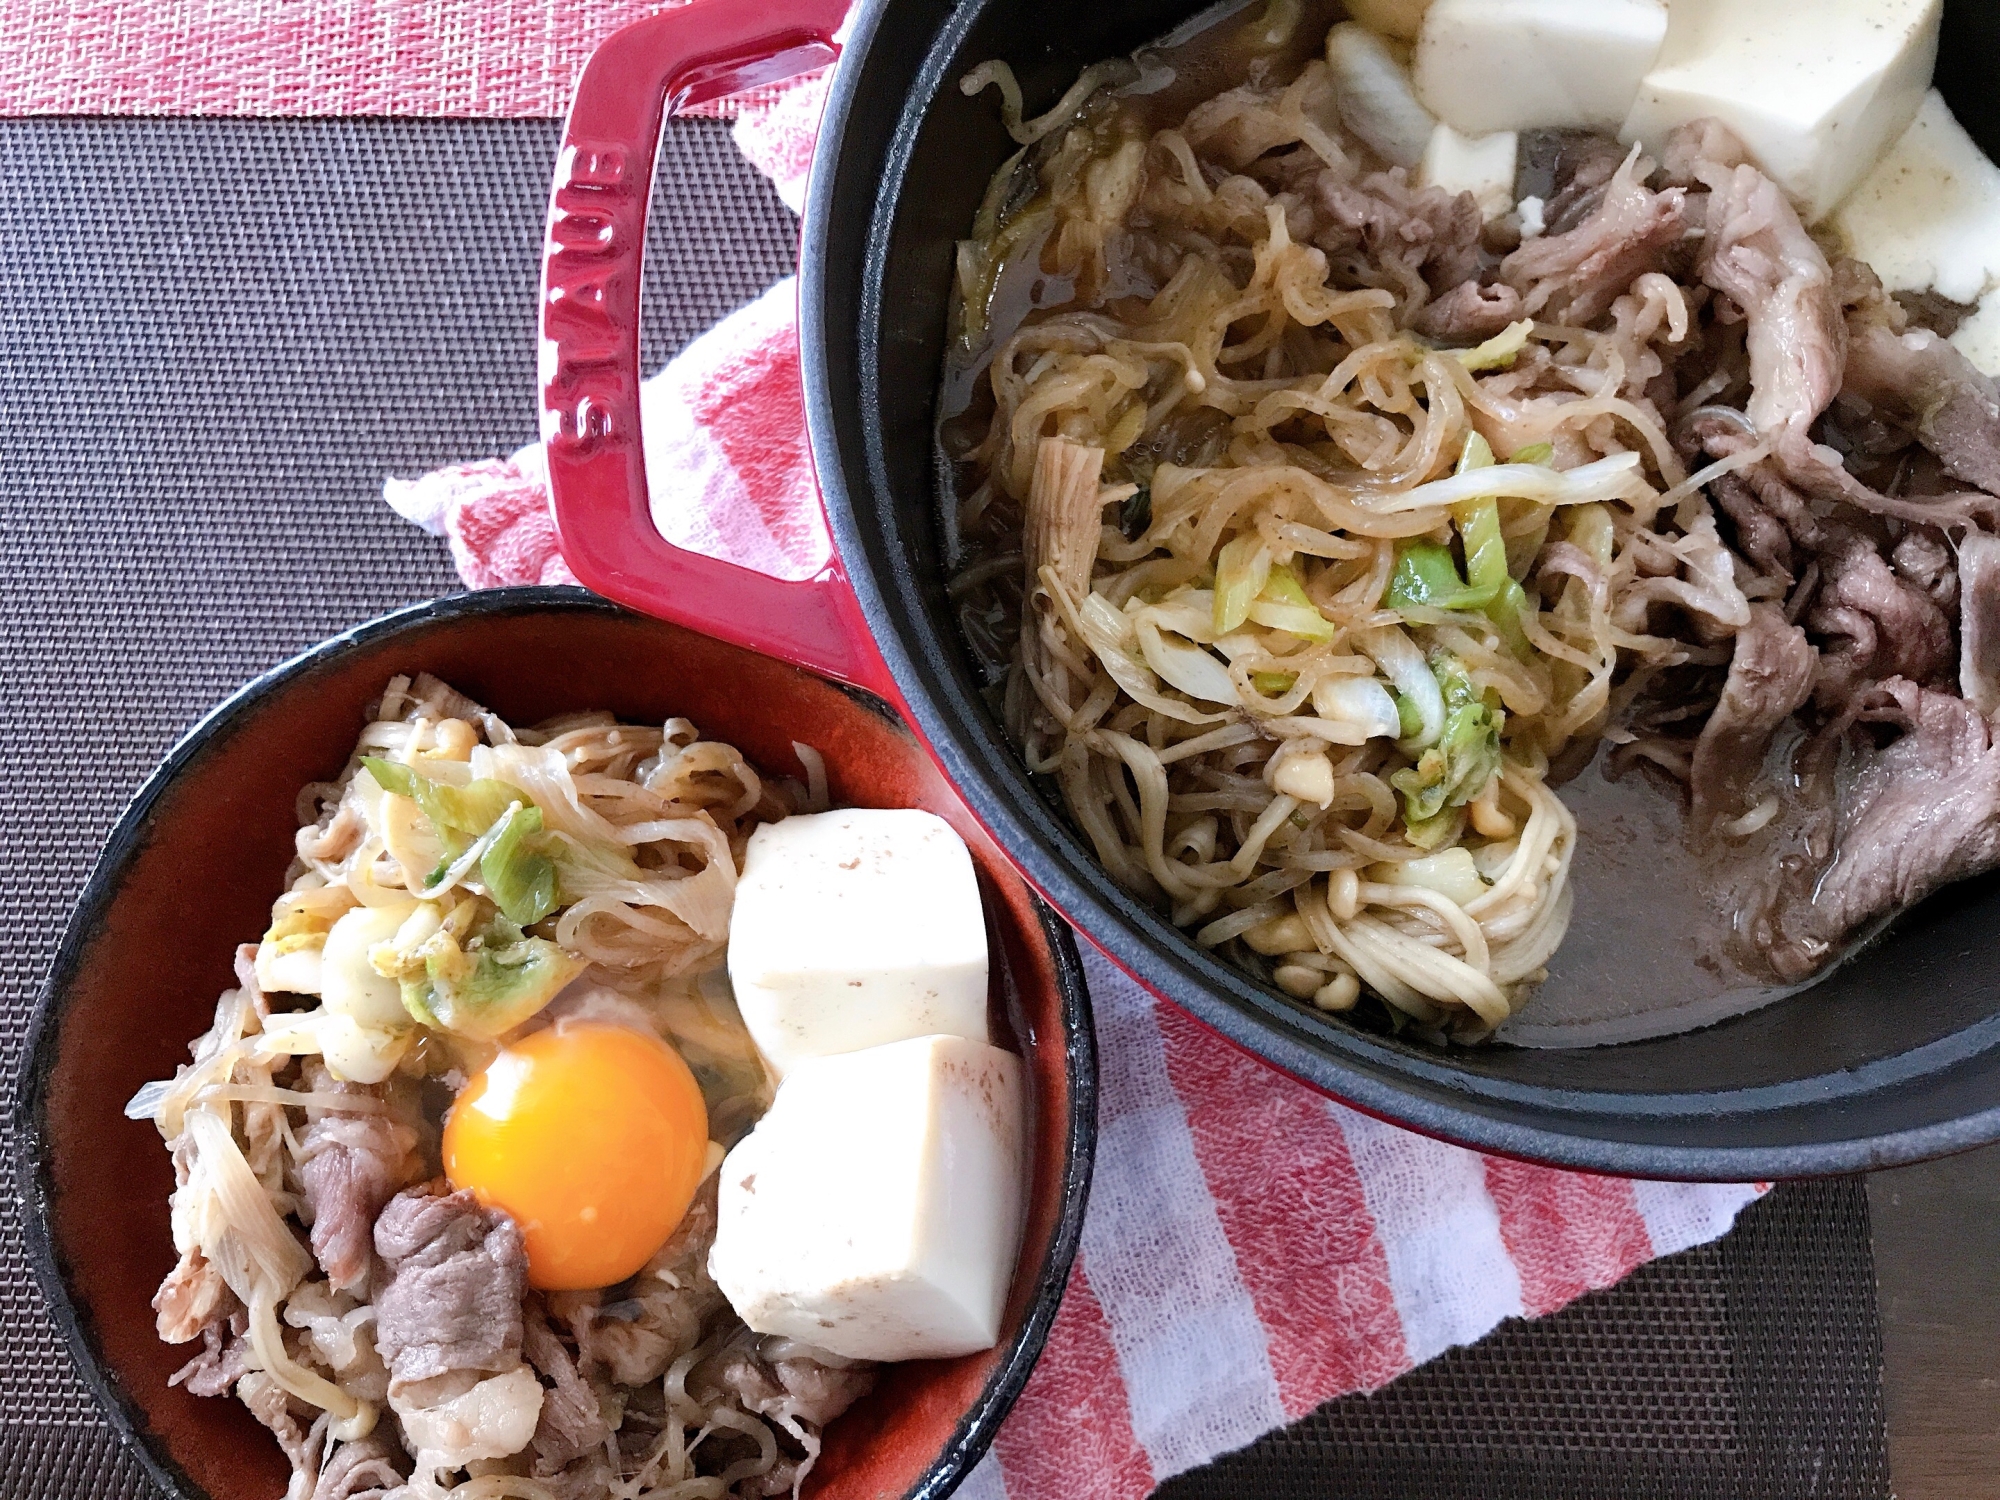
{"x": 591, "y": 266}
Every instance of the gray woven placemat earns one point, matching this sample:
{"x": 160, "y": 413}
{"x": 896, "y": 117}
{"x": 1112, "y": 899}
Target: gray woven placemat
{"x": 221, "y": 335}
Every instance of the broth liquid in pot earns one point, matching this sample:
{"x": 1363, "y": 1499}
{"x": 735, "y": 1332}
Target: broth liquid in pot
{"x": 1647, "y": 952}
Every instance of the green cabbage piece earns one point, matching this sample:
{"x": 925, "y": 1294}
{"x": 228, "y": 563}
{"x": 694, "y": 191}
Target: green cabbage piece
{"x": 518, "y": 876}
{"x": 1456, "y": 769}
{"x": 466, "y": 810}
{"x": 491, "y": 986}
{"x": 1427, "y": 576}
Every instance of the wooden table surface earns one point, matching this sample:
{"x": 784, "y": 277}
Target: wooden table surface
{"x": 1937, "y": 1251}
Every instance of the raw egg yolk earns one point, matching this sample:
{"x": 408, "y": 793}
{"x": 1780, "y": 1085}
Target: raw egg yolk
{"x": 593, "y": 1138}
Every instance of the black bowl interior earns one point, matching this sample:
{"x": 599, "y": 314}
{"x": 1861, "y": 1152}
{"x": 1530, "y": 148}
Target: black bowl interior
{"x": 1895, "y": 1056}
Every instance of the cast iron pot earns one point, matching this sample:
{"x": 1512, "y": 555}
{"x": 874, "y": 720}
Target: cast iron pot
{"x": 1892, "y": 1058}
{"x": 194, "y": 863}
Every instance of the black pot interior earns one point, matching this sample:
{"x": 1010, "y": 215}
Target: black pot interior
{"x": 1894, "y": 1056}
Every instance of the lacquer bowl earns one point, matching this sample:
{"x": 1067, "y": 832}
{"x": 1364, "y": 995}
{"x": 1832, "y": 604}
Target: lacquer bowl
{"x": 193, "y": 866}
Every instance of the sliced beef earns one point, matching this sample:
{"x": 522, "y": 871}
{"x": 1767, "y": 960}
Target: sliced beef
{"x": 1770, "y": 678}
{"x": 1575, "y": 276}
{"x": 1912, "y": 817}
{"x": 350, "y": 1166}
{"x": 1430, "y": 236}
{"x": 290, "y": 1421}
{"x": 224, "y": 1358}
{"x": 366, "y": 1469}
{"x": 1922, "y": 382}
{"x": 1760, "y": 536}
{"x": 451, "y": 1305}
{"x": 1764, "y": 520}
{"x": 1875, "y": 625}
{"x": 1568, "y": 171}
{"x": 571, "y": 1423}
{"x": 1756, "y": 253}
{"x": 1469, "y": 313}
{"x": 1698, "y": 150}
{"x": 797, "y": 1387}
{"x": 1924, "y": 558}
{"x": 1979, "y": 621}
{"x": 663, "y": 1309}
{"x": 192, "y": 1299}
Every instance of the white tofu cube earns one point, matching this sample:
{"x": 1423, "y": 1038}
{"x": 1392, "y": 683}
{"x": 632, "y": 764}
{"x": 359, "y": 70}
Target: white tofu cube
{"x": 875, "y": 1211}
{"x": 1371, "y": 89}
{"x": 1480, "y": 165}
{"x": 1928, "y": 217}
{"x": 854, "y": 928}
{"x": 1817, "y": 92}
{"x": 1488, "y": 65}
{"x": 1978, "y": 337}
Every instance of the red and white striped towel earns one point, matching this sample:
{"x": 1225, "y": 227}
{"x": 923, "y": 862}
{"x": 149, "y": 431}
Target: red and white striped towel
{"x": 477, "y": 59}
{"x": 1251, "y": 1249}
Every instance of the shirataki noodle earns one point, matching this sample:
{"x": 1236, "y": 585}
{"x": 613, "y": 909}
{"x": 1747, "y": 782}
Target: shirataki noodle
{"x": 1213, "y": 463}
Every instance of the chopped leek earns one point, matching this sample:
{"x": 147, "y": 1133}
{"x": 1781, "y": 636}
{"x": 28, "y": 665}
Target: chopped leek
{"x": 1509, "y": 604}
{"x": 479, "y": 984}
{"x": 1419, "y": 704}
{"x": 1479, "y": 522}
{"x": 1456, "y": 769}
{"x": 1535, "y": 453}
{"x": 485, "y": 992}
{"x": 1606, "y": 479}
{"x": 1241, "y": 570}
{"x": 1356, "y": 710}
{"x": 1274, "y": 684}
{"x": 583, "y": 866}
{"x": 1112, "y": 638}
{"x": 1500, "y": 351}
{"x": 1428, "y": 833}
{"x": 391, "y": 775}
{"x": 1426, "y": 577}
{"x": 1485, "y": 548}
{"x": 1284, "y": 605}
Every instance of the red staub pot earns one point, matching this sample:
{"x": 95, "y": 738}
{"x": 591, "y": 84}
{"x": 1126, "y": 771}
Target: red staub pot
{"x": 191, "y": 871}
{"x": 1893, "y": 1057}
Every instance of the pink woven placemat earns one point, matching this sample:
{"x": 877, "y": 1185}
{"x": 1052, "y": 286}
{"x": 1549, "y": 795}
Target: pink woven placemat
{"x": 466, "y": 59}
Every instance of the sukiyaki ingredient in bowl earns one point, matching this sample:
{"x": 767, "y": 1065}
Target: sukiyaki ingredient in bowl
{"x": 447, "y": 1163}
{"x": 1353, "y": 467}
